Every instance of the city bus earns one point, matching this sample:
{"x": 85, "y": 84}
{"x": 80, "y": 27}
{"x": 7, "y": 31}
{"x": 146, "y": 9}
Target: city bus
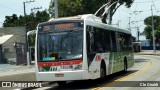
{"x": 81, "y": 48}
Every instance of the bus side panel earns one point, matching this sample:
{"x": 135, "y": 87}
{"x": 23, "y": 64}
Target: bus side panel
{"x": 94, "y": 57}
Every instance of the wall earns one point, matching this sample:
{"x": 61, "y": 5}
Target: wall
{"x": 145, "y": 42}
{"x": 18, "y": 36}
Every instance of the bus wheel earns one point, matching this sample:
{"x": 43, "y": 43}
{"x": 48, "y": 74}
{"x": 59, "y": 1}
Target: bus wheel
{"x": 125, "y": 65}
{"x": 61, "y": 83}
{"x": 102, "y": 74}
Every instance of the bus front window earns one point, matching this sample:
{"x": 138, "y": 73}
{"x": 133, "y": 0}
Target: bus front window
{"x": 60, "y": 46}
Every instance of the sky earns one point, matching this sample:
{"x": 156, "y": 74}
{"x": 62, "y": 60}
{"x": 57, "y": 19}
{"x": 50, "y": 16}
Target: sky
{"x": 139, "y": 10}
{"x": 10, "y": 7}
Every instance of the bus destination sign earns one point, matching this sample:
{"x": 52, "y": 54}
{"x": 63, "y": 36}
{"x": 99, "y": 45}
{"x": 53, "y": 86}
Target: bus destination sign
{"x": 64, "y": 26}
{"x": 61, "y": 26}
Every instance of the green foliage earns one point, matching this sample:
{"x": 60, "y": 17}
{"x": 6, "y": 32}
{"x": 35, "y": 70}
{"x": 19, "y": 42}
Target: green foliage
{"x": 11, "y": 21}
{"x": 32, "y": 20}
{"x": 148, "y": 32}
{"x": 32, "y": 40}
{"x": 148, "y": 29}
{"x": 51, "y": 9}
{"x": 157, "y": 35}
{"x": 156, "y": 19}
{"x": 78, "y": 7}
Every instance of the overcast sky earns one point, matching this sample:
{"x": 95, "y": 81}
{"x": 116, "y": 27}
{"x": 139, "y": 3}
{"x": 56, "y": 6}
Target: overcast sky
{"x": 142, "y": 8}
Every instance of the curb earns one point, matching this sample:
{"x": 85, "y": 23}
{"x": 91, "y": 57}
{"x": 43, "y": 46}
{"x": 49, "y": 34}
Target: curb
{"x": 146, "y": 54}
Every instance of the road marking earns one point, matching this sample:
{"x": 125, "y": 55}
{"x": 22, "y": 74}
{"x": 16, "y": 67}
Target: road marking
{"x": 126, "y": 77}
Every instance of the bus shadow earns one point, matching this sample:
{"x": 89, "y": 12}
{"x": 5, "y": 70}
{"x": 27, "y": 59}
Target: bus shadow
{"x": 88, "y": 84}
{"x": 140, "y": 60}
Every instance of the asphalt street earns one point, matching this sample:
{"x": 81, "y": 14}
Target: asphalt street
{"x": 146, "y": 68}
{"x": 149, "y": 67}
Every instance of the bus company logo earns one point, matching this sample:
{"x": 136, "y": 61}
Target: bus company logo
{"x": 6, "y": 84}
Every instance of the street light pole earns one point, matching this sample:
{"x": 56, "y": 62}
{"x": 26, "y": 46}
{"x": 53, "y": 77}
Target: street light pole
{"x": 55, "y": 9}
{"x": 24, "y": 6}
{"x": 27, "y": 49}
{"x": 154, "y": 48}
{"x": 129, "y": 23}
{"x": 138, "y": 33}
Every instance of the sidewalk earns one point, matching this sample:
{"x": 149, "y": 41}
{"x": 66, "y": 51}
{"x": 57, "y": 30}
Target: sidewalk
{"x": 7, "y": 69}
{"x": 148, "y": 52}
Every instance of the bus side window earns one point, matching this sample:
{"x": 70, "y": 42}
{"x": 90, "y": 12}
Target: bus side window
{"x": 113, "y": 41}
{"x": 90, "y": 39}
{"x": 90, "y": 44}
{"x": 121, "y": 40}
{"x": 124, "y": 41}
{"x": 98, "y": 40}
{"x": 107, "y": 41}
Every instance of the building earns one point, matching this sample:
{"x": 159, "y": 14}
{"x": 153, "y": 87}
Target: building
{"x": 144, "y": 42}
{"x": 12, "y": 45}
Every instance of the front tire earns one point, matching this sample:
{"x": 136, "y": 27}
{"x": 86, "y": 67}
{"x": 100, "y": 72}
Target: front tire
{"x": 61, "y": 83}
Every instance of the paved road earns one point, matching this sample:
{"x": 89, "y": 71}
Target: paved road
{"x": 149, "y": 67}
{"x": 146, "y": 68}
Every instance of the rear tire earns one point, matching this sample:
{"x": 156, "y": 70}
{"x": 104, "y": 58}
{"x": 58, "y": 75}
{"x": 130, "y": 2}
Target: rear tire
{"x": 102, "y": 73}
{"x": 125, "y": 66}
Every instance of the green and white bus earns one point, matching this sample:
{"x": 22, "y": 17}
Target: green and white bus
{"x": 81, "y": 48}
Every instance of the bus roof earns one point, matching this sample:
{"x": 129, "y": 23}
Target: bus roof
{"x": 65, "y": 18}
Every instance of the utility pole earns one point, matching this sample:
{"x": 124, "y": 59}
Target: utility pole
{"x": 129, "y": 23}
{"x": 55, "y": 8}
{"x": 27, "y": 49}
{"x": 118, "y": 24}
{"x": 154, "y": 48}
{"x": 138, "y": 34}
{"x": 35, "y": 9}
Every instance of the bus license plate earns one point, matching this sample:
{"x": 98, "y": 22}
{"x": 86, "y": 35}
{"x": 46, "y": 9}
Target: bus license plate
{"x": 59, "y": 75}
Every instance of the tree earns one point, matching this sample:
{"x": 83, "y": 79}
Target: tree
{"x": 157, "y": 33}
{"x": 115, "y": 6}
{"x": 51, "y": 9}
{"x": 32, "y": 20}
{"x": 148, "y": 29}
{"x": 78, "y": 7}
{"x": 10, "y": 20}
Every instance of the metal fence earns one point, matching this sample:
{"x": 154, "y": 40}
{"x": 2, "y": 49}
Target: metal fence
{"x": 150, "y": 47}
{"x": 21, "y": 53}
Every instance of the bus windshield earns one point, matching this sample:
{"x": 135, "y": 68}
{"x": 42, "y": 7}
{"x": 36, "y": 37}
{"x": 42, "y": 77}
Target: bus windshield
{"x": 66, "y": 45}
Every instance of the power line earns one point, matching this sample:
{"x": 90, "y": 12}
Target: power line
{"x": 35, "y": 9}
{"x": 143, "y": 2}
